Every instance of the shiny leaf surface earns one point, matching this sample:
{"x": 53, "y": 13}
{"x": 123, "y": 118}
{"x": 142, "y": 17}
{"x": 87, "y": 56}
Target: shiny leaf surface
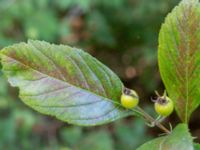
{"x": 179, "y": 57}
{"x": 64, "y": 82}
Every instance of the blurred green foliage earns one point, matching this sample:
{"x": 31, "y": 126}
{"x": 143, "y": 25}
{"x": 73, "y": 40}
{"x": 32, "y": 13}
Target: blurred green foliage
{"x": 121, "y": 33}
{"x": 125, "y": 30}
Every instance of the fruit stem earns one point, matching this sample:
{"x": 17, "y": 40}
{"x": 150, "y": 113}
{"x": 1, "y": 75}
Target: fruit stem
{"x": 151, "y": 119}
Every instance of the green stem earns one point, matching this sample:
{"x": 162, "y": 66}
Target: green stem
{"x": 151, "y": 119}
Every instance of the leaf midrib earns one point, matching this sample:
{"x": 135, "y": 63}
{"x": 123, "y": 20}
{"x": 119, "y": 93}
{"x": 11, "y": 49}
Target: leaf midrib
{"x": 76, "y": 65}
{"x": 105, "y": 98}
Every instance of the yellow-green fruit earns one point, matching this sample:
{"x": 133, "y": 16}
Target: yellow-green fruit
{"x": 129, "y": 100}
{"x": 164, "y": 106}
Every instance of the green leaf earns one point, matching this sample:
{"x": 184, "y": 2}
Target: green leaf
{"x": 196, "y": 146}
{"x": 64, "y": 82}
{"x": 99, "y": 140}
{"x": 179, "y": 57}
{"x": 180, "y": 138}
{"x": 71, "y": 135}
{"x": 126, "y": 132}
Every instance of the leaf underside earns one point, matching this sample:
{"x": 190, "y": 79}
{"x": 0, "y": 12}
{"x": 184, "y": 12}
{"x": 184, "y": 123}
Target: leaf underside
{"x": 64, "y": 82}
{"x": 179, "y": 57}
{"x": 180, "y": 138}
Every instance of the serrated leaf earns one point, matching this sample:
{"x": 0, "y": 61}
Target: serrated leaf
{"x": 63, "y": 82}
{"x": 179, "y": 57}
{"x": 180, "y": 138}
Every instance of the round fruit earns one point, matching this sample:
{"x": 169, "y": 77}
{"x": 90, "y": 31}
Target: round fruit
{"x": 129, "y": 98}
{"x": 164, "y": 106}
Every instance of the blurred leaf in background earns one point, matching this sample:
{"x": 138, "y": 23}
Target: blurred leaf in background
{"x": 130, "y": 135}
{"x": 122, "y": 135}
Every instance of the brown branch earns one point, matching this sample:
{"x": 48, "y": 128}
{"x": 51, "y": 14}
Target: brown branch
{"x": 151, "y": 119}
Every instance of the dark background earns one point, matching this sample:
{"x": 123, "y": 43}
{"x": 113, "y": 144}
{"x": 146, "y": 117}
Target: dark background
{"x": 123, "y": 34}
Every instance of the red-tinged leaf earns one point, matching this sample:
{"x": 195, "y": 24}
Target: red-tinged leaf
{"x": 64, "y": 82}
{"x": 179, "y": 57}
